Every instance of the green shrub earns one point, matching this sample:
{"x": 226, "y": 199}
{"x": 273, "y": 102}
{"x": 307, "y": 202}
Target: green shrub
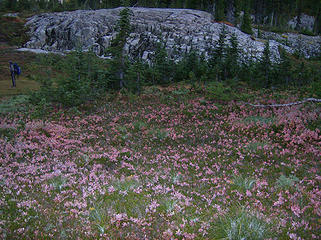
{"x": 246, "y": 23}
{"x": 315, "y": 88}
{"x": 307, "y": 32}
{"x": 71, "y": 80}
{"x": 13, "y": 31}
{"x": 242, "y": 183}
{"x": 218, "y": 91}
{"x": 8, "y": 133}
{"x": 259, "y": 119}
{"x": 160, "y": 134}
{"x": 286, "y": 182}
{"x": 14, "y": 104}
{"x": 240, "y": 224}
{"x": 58, "y": 183}
{"x": 139, "y": 126}
{"x": 122, "y": 199}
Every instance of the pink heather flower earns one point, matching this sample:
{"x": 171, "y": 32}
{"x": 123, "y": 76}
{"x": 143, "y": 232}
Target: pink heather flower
{"x": 152, "y": 207}
{"x": 111, "y": 189}
{"x": 296, "y": 210}
{"x": 248, "y": 193}
{"x": 168, "y": 234}
{"x": 280, "y": 201}
{"x": 121, "y": 216}
{"x": 294, "y": 236}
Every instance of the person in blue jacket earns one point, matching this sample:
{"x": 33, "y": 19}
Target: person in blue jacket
{"x": 13, "y": 74}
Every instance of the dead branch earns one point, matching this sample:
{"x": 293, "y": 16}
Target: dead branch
{"x": 287, "y": 104}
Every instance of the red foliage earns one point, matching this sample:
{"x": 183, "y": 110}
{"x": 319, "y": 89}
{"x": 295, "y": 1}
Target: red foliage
{"x": 225, "y": 22}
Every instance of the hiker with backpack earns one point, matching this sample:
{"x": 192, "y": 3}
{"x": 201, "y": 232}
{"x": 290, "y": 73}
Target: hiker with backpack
{"x": 14, "y": 70}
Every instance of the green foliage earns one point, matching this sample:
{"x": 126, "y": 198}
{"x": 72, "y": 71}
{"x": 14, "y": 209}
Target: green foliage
{"x": 41, "y": 109}
{"x": 119, "y": 60}
{"x": 162, "y": 66}
{"x": 159, "y": 134}
{"x": 312, "y": 125}
{"x": 307, "y": 32}
{"x": 317, "y": 23}
{"x": 218, "y": 56}
{"x": 259, "y": 119}
{"x": 286, "y": 182}
{"x": 218, "y": 91}
{"x": 192, "y": 68}
{"x": 7, "y": 133}
{"x": 242, "y": 183}
{"x": 219, "y": 10}
{"x": 284, "y": 69}
{"x": 219, "y": 51}
{"x": 135, "y": 76}
{"x": 81, "y": 77}
{"x": 232, "y": 58}
{"x": 57, "y": 183}
{"x": 13, "y": 31}
{"x": 239, "y": 224}
{"x": 122, "y": 199}
{"x": 139, "y": 126}
{"x": 315, "y": 88}
{"x": 265, "y": 65}
{"x": 277, "y": 13}
{"x": 246, "y": 23}
{"x": 14, "y": 104}
{"x": 255, "y": 146}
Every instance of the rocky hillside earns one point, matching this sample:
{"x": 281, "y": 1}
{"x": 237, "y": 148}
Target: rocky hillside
{"x": 179, "y": 29}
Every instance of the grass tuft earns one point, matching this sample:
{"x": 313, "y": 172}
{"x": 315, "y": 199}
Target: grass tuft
{"x": 284, "y": 182}
{"x": 240, "y": 224}
{"x": 243, "y": 183}
{"x": 14, "y": 104}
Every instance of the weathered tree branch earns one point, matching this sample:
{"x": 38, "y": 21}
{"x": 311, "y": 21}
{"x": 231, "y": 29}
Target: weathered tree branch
{"x": 287, "y": 104}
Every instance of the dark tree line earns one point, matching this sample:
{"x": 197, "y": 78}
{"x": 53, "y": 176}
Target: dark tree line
{"x": 265, "y": 12}
{"x": 268, "y": 12}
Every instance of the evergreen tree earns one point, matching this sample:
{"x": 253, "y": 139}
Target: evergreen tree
{"x": 125, "y": 3}
{"x": 192, "y": 4}
{"x": 237, "y": 11}
{"x": 284, "y": 69}
{"x": 116, "y": 49}
{"x": 217, "y": 59}
{"x": 71, "y": 5}
{"x": 220, "y": 46}
{"x": 317, "y": 23}
{"x": 135, "y": 76}
{"x": 299, "y": 13}
{"x": 11, "y": 5}
{"x": 231, "y": 63}
{"x": 246, "y": 22}
{"x": 265, "y": 65}
{"x": 219, "y": 10}
{"x": 162, "y": 66}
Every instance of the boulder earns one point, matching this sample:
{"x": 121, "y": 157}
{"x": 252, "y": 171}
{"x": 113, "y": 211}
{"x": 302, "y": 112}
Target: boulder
{"x": 179, "y": 30}
{"x": 307, "y": 22}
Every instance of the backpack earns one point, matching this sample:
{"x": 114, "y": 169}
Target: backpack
{"x": 17, "y": 69}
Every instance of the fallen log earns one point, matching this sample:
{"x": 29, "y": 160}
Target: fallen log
{"x": 287, "y": 104}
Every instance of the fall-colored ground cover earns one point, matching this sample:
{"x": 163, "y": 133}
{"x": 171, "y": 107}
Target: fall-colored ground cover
{"x": 164, "y": 166}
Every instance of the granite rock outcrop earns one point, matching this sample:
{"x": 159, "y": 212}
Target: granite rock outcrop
{"x": 180, "y": 30}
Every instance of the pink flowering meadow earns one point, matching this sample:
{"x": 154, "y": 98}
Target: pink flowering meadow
{"x": 162, "y": 167}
